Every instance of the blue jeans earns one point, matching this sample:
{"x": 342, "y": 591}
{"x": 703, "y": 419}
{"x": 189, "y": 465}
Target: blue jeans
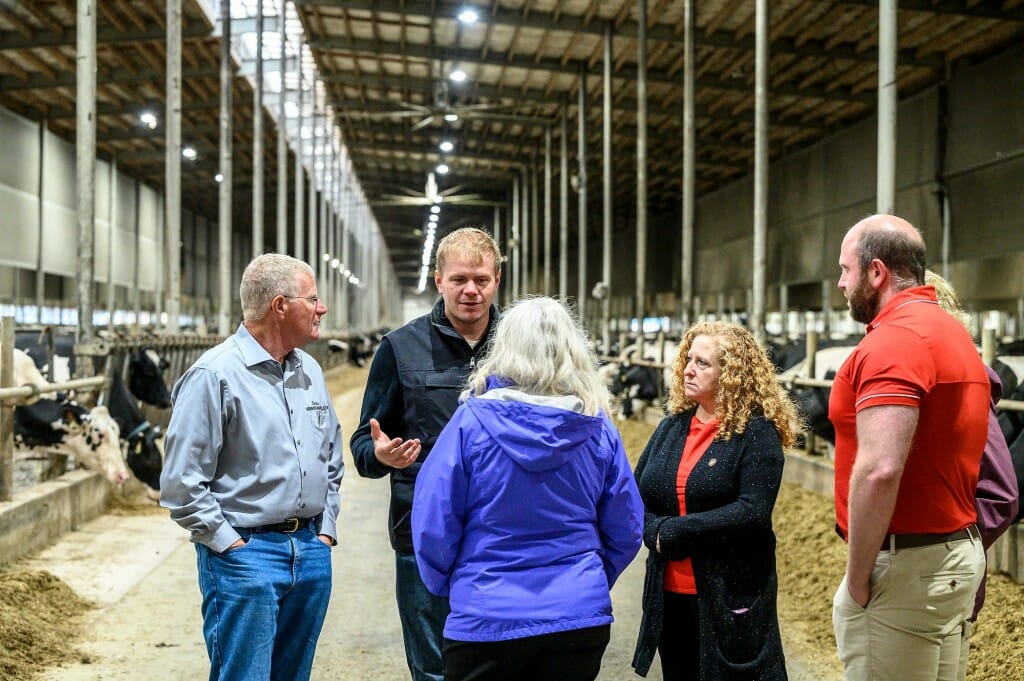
{"x": 264, "y": 604}
{"x": 423, "y": 615}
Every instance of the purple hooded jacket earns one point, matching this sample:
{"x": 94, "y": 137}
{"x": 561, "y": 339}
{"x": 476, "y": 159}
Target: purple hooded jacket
{"x": 525, "y": 514}
{"x": 997, "y": 498}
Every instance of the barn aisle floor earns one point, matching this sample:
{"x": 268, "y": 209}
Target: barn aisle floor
{"x": 140, "y": 571}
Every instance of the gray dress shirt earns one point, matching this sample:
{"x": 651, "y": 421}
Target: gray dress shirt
{"x": 251, "y": 442}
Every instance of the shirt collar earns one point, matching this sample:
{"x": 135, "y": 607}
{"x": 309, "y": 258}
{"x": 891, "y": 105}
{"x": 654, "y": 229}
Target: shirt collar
{"x": 916, "y": 294}
{"x": 253, "y": 353}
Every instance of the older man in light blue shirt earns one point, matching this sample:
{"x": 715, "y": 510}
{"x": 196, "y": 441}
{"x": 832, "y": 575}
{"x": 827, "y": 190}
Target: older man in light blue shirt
{"x": 252, "y": 470}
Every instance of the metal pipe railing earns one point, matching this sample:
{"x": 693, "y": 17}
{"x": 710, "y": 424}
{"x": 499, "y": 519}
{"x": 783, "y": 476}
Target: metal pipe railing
{"x": 17, "y": 394}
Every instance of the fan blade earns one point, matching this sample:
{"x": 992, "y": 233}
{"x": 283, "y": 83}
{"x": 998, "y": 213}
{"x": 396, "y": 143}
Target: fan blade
{"x": 472, "y": 200}
{"x": 393, "y": 200}
{"x": 424, "y": 123}
{"x": 451, "y": 190}
{"x": 509, "y": 118}
{"x": 377, "y": 115}
{"x": 460, "y": 108}
{"x": 462, "y": 198}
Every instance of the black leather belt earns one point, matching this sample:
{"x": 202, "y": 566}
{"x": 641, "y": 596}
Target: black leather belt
{"x": 286, "y": 526}
{"x": 913, "y": 541}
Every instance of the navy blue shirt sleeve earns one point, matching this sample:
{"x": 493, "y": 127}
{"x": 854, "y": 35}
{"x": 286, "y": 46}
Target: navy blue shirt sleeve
{"x": 382, "y": 400}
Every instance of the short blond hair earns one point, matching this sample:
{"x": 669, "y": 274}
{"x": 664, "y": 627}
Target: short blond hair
{"x": 472, "y": 242}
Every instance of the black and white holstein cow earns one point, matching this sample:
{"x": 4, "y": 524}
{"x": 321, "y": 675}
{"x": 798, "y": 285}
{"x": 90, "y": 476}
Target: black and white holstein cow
{"x": 359, "y": 348}
{"x": 143, "y": 456}
{"x": 638, "y": 385}
{"x": 813, "y": 401}
{"x": 145, "y": 371}
{"x": 140, "y": 438}
{"x": 634, "y": 383}
{"x": 62, "y": 426}
{"x": 146, "y": 378}
{"x": 26, "y": 373}
{"x": 791, "y": 360}
{"x": 65, "y": 427}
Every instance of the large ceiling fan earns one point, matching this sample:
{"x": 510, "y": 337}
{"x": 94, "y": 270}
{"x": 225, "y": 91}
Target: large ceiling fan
{"x": 432, "y": 196}
{"x": 442, "y": 109}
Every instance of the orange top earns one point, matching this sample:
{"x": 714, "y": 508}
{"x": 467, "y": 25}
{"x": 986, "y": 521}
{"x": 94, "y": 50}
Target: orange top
{"x": 679, "y": 573}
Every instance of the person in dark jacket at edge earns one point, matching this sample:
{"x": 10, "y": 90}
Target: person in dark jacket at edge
{"x": 411, "y": 392}
{"x": 527, "y": 511}
{"x": 709, "y": 477}
{"x": 997, "y": 499}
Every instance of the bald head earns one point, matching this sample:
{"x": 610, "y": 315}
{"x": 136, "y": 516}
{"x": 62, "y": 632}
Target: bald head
{"x": 888, "y": 223}
{"x": 893, "y": 241}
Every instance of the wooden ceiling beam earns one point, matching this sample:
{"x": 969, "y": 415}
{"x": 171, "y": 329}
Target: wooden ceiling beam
{"x": 627, "y": 28}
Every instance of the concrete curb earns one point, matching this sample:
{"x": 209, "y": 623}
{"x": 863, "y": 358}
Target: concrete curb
{"x": 811, "y": 473}
{"x": 40, "y": 515}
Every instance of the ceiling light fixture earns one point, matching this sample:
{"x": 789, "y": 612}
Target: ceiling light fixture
{"x": 468, "y": 16}
{"x": 148, "y": 119}
{"x": 435, "y": 209}
{"x": 446, "y": 146}
{"x": 457, "y": 76}
{"x": 451, "y": 118}
{"x": 218, "y": 178}
{"x": 442, "y": 169}
{"x": 189, "y": 153}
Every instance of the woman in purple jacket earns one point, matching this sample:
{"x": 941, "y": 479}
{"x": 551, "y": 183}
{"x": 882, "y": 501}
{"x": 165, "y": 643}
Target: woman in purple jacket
{"x": 526, "y": 511}
{"x": 997, "y": 499}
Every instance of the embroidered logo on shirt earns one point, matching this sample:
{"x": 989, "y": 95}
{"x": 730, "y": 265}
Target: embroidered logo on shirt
{"x": 317, "y": 413}
{"x": 712, "y": 462}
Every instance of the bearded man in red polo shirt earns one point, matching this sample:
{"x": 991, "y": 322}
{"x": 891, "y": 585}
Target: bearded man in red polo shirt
{"x": 910, "y": 412}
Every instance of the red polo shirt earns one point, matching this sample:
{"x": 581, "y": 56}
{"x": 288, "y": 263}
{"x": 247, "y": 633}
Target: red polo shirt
{"x": 918, "y": 355}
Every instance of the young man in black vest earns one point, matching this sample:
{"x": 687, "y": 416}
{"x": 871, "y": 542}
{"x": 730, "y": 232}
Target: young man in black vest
{"x": 411, "y": 392}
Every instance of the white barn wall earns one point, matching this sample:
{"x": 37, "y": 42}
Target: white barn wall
{"x": 19, "y": 215}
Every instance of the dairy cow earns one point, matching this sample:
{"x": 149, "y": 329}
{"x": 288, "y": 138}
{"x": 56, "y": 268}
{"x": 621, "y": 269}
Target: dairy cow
{"x": 635, "y": 385}
{"x": 26, "y": 373}
{"x": 143, "y": 456}
{"x": 63, "y": 426}
{"x": 146, "y": 378}
{"x": 813, "y": 401}
{"x": 40, "y": 347}
{"x": 145, "y": 373}
{"x": 359, "y": 348}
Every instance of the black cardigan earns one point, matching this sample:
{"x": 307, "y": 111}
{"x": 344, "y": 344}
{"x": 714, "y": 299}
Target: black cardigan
{"x": 727, "y": 533}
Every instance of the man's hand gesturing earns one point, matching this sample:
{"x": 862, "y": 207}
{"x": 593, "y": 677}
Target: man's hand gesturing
{"x": 393, "y": 452}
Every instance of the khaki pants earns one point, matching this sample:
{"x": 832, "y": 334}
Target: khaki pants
{"x": 965, "y": 647}
{"x": 912, "y": 628}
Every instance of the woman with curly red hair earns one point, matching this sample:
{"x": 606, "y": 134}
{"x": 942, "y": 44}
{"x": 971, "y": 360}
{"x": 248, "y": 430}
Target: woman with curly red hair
{"x": 709, "y": 478}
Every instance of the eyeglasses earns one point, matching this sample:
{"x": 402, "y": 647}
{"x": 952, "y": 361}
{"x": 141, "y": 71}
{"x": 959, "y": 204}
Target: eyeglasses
{"x": 312, "y": 300}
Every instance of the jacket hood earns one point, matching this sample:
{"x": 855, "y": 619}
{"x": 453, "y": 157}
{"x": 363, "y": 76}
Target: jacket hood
{"x": 538, "y": 432}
